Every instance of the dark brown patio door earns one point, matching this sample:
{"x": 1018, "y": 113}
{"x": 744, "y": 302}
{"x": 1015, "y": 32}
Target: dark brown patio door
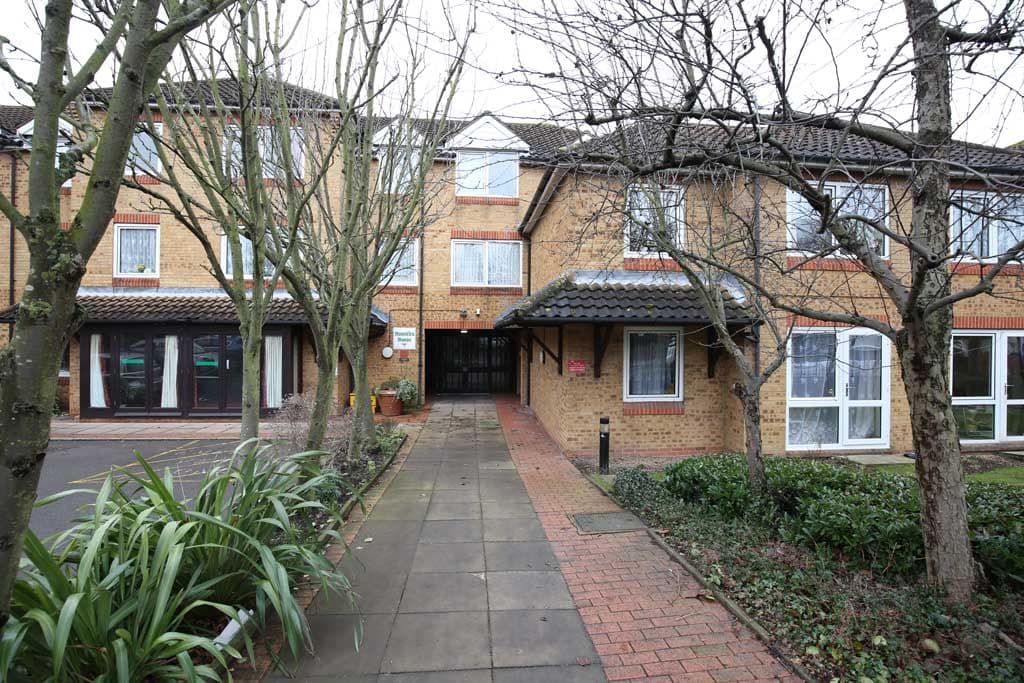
{"x": 475, "y": 362}
{"x": 216, "y": 382}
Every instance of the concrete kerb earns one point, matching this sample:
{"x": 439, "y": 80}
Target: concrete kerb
{"x": 732, "y": 607}
{"x": 233, "y": 634}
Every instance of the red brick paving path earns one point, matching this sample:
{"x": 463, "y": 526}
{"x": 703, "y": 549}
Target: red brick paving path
{"x": 640, "y": 608}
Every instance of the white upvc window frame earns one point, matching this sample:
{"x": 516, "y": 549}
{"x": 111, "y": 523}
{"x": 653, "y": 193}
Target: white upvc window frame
{"x": 129, "y": 170}
{"x": 118, "y": 227}
{"x": 832, "y": 188}
{"x": 485, "y": 192}
{"x": 992, "y": 234}
{"x": 680, "y": 355}
{"x": 678, "y": 209}
{"x": 486, "y": 243}
{"x": 840, "y": 400}
{"x": 998, "y": 397}
{"x": 391, "y": 279}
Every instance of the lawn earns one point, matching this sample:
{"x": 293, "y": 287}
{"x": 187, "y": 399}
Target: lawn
{"x": 1013, "y": 476}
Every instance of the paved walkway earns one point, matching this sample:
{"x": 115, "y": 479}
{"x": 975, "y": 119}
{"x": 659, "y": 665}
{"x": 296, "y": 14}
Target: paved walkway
{"x": 642, "y": 610}
{"x": 456, "y": 578}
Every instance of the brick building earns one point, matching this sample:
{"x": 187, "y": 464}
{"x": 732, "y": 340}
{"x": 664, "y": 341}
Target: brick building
{"x": 528, "y": 284}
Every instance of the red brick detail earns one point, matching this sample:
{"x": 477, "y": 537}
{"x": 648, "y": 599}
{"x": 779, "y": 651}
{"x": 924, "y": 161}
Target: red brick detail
{"x": 135, "y": 282}
{"x": 457, "y": 325}
{"x": 804, "y": 321}
{"x": 817, "y": 263}
{"x": 65, "y": 191}
{"x": 633, "y": 599}
{"x": 144, "y": 179}
{"x": 65, "y": 226}
{"x": 249, "y": 283}
{"x": 137, "y": 218}
{"x": 653, "y": 408}
{"x": 468, "y": 234}
{"x": 487, "y": 291}
{"x": 988, "y": 322}
{"x": 965, "y": 268}
{"x": 647, "y": 264}
{"x": 493, "y": 201}
{"x": 400, "y": 289}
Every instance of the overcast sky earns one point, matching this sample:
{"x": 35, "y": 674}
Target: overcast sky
{"x": 839, "y": 60}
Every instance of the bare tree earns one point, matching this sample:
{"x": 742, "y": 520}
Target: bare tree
{"x": 143, "y": 34}
{"x": 384, "y": 139}
{"x": 229, "y": 173}
{"x": 710, "y": 85}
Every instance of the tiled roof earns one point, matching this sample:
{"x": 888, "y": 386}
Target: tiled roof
{"x": 201, "y": 92}
{"x": 618, "y": 297}
{"x": 14, "y": 116}
{"x": 809, "y": 142}
{"x": 126, "y": 308}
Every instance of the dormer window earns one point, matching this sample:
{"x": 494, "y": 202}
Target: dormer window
{"x": 487, "y": 174}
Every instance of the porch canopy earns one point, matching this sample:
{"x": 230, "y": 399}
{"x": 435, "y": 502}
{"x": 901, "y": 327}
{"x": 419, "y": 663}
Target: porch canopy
{"x": 607, "y": 298}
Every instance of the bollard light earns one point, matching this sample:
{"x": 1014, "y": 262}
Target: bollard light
{"x": 605, "y": 439}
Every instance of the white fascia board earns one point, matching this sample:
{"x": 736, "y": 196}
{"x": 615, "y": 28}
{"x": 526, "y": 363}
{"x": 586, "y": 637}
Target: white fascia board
{"x": 487, "y": 133}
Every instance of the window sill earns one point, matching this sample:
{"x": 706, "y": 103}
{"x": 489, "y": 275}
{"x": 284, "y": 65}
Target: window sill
{"x": 484, "y": 199}
{"x": 399, "y": 289}
{"x": 465, "y": 234}
{"x": 650, "y": 263}
{"x": 979, "y": 267}
{"x": 125, "y": 281}
{"x": 486, "y": 291}
{"x": 652, "y": 408}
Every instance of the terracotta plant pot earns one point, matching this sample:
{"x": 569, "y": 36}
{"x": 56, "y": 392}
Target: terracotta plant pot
{"x": 390, "y": 404}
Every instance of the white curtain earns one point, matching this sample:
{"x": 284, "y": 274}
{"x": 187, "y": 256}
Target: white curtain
{"x": 503, "y": 263}
{"x": 97, "y": 390}
{"x": 813, "y": 366}
{"x": 652, "y": 364}
{"x": 169, "y": 385}
{"x": 248, "y": 256}
{"x": 469, "y": 263}
{"x": 137, "y": 250}
{"x": 272, "y": 370}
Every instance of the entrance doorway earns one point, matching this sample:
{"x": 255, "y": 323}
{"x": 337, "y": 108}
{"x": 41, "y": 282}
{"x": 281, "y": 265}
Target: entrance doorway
{"x": 471, "y": 362}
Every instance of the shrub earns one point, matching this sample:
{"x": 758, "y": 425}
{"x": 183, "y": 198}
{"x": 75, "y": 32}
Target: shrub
{"x": 387, "y": 439}
{"x": 292, "y": 420}
{"x": 872, "y": 519}
{"x": 638, "y": 490}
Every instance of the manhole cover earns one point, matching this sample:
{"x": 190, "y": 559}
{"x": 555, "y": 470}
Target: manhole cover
{"x": 606, "y": 522}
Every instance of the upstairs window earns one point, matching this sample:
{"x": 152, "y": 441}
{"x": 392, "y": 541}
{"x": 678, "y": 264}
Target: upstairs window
{"x": 248, "y": 258}
{"x": 482, "y": 263}
{"x": 985, "y": 224}
{"x": 401, "y": 268}
{"x": 869, "y": 201}
{"x": 136, "y": 250}
{"x": 270, "y": 151}
{"x": 487, "y": 174}
{"x": 143, "y": 156}
{"x": 654, "y": 216}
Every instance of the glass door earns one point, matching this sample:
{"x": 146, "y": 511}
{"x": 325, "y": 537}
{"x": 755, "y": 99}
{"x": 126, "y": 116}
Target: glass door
{"x": 864, "y": 414}
{"x": 216, "y": 372}
{"x": 1014, "y": 387}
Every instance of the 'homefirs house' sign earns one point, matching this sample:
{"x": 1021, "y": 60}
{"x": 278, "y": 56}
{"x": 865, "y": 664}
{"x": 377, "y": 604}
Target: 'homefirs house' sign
{"x": 403, "y": 338}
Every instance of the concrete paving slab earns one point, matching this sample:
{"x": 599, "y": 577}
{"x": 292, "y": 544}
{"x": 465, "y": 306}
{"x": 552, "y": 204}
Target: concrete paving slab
{"x": 449, "y": 557}
{"x": 528, "y": 590}
{"x": 479, "y": 676}
{"x": 539, "y": 637}
{"x": 519, "y": 556}
{"x": 438, "y": 642}
{"x": 453, "y": 531}
{"x": 445, "y": 592}
{"x": 462, "y": 495}
{"x": 448, "y": 511}
{"x": 334, "y": 645}
{"x": 499, "y": 509}
{"x": 573, "y": 673}
{"x": 513, "y": 530}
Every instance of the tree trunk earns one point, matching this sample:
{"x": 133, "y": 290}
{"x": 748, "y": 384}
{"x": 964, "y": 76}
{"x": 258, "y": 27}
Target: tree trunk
{"x": 924, "y": 351}
{"x": 749, "y": 394}
{"x": 323, "y": 399}
{"x": 362, "y": 418}
{"x": 28, "y": 388}
{"x": 252, "y": 341}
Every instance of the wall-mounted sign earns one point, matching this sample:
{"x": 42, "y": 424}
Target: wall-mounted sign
{"x": 403, "y": 338}
{"x": 577, "y": 367}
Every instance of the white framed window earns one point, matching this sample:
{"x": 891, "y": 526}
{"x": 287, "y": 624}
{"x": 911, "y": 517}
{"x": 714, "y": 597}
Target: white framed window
{"x": 868, "y": 200}
{"x": 652, "y": 367}
{"x": 248, "y": 258}
{"x": 143, "y": 156}
{"x": 987, "y": 384}
{"x": 645, "y": 205}
{"x": 403, "y": 266}
{"x": 985, "y": 225}
{"x": 269, "y": 150}
{"x": 487, "y": 263}
{"x": 137, "y": 250}
{"x": 837, "y": 389}
{"x": 487, "y": 174}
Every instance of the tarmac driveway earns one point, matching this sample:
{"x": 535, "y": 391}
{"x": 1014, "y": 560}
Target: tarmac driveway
{"x": 85, "y": 464}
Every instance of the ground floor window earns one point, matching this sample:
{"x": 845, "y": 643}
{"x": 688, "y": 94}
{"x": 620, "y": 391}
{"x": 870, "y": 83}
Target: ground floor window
{"x": 837, "y": 389}
{"x": 987, "y": 384}
{"x": 180, "y": 371}
{"x": 653, "y": 367}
